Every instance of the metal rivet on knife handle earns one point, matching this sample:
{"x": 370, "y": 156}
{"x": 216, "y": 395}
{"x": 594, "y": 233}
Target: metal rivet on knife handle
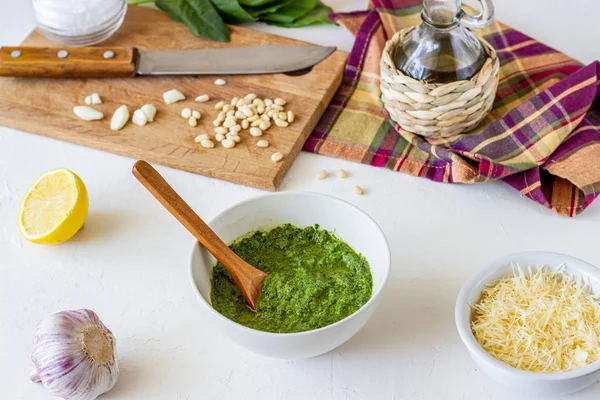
{"x": 62, "y": 54}
{"x": 109, "y": 54}
{"x": 15, "y": 54}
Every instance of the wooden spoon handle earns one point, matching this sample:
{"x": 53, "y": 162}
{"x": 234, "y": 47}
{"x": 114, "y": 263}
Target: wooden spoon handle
{"x": 245, "y": 276}
{"x": 68, "y": 62}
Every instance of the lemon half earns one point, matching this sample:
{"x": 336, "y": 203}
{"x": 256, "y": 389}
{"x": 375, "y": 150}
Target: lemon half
{"x": 54, "y": 208}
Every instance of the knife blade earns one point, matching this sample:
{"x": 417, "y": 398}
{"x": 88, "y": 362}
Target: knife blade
{"x": 104, "y": 62}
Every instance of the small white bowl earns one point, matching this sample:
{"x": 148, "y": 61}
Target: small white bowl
{"x": 301, "y": 209}
{"x": 531, "y": 383}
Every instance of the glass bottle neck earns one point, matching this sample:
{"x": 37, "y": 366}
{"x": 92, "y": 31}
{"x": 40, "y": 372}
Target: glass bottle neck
{"x": 441, "y": 13}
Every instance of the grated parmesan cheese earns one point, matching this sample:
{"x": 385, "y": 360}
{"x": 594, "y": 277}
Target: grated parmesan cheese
{"x": 539, "y": 321}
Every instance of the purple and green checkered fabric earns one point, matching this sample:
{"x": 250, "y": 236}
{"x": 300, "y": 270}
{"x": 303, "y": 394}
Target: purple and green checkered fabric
{"x": 542, "y": 136}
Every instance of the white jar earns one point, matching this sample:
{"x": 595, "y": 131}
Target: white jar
{"x": 79, "y": 22}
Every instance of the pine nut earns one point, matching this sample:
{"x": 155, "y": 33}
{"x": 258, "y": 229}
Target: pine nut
{"x": 256, "y": 132}
{"x": 282, "y": 116}
{"x": 228, "y": 107}
{"x": 228, "y": 143}
{"x": 219, "y": 137}
{"x": 229, "y": 123}
{"x": 231, "y": 114}
{"x": 260, "y": 109}
{"x": 262, "y": 143}
{"x": 139, "y": 118}
{"x": 268, "y": 102}
{"x": 235, "y": 138}
{"x": 280, "y": 102}
{"x": 264, "y": 125}
{"x": 245, "y": 124}
{"x": 246, "y": 110}
{"x": 219, "y": 105}
{"x": 281, "y": 123}
{"x": 258, "y": 102}
{"x": 202, "y": 137}
{"x": 87, "y": 113}
{"x": 250, "y": 96}
{"x": 253, "y": 118}
{"x": 150, "y": 111}
{"x": 220, "y": 82}
{"x": 235, "y": 128}
{"x": 342, "y": 174}
{"x": 186, "y": 113}
{"x": 202, "y": 98}
{"x": 217, "y": 122}
{"x": 272, "y": 113}
{"x": 322, "y": 174}
{"x": 193, "y": 121}
{"x": 276, "y": 107}
{"x": 221, "y": 129}
{"x": 207, "y": 144}
{"x": 291, "y": 116}
{"x": 240, "y": 115}
{"x": 276, "y": 157}
{"x": 173, "y": 96}
{"x": 256, "y": 123}
{"x": 234, "y": 101}
{"x": 241, "y": 102}
{"x": 196, "y": 114}
{"x": 358, "y": 190}
{"x": 251, "y": 106}
{"x": 222, "y": 115}
{"x": 265, "y": 117}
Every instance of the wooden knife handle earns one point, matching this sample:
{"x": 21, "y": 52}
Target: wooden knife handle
{"x": 68, "y": 62}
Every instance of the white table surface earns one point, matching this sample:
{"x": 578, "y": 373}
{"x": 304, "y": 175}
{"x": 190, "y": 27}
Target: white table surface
{"x": 130, "y": 264}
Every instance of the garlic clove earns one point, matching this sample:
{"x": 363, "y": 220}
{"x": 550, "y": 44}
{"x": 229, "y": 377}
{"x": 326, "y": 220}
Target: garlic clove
{"x": 150, "y": 111}
{"x": 87, "y": 113}
{"x": 74, "y": 355}
{"x": 173, "y": 96}
{"x": 139, "y": 118}
{"x": 119, "y": 118}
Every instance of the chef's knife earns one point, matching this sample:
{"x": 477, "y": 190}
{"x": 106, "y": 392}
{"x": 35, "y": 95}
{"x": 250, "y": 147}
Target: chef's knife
{"x": 112, "y": 62}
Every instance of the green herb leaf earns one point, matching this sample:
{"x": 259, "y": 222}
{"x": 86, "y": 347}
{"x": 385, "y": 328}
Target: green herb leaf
{"x": 199, "y": 15}
{"x": 318, "y": 15}
{"x": 256, "y": 3}
{"x": 232, "y": 12}
{"x": 267, "y": 8}
{"x": 290, "y": 12}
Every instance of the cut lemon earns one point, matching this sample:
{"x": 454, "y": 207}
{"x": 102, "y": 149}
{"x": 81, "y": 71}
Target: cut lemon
{"x": 54, "y": 207}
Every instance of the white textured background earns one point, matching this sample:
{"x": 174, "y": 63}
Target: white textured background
{"x": 130, "y": 264}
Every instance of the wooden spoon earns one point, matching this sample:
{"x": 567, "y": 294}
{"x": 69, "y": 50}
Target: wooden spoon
{"x": 246, "y": 277}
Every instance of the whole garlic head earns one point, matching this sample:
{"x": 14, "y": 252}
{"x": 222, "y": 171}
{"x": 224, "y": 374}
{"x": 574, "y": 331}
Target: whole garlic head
{"x": 74, "y": 355}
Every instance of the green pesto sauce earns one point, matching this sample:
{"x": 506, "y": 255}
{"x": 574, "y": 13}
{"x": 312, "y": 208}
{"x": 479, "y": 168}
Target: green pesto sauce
{"x": 315, "y": 279}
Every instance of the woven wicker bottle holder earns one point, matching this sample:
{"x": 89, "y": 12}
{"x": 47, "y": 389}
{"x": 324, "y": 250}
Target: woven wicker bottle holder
{"x": 437, "y": 110}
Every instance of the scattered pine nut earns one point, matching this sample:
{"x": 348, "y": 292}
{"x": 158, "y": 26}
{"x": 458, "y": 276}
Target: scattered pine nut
{"x": 221, "y": 129}
{"x": 250, "y": 96}
{"x": 87, "y": 113}
{"x": 234, "y": 101}
{"x": 219, "y": 105}
{"x": 173, "y": 96}
{"x": 202, "y": 137}
{"x": 230, "y": 114}
{"x": 139, "y": 118}
{"x": 207, "y": 144}
{"x": 220, "y": 82}
{"x": 240, "y": 115}
{"x": 235, "y": 128}
{"x": 276, "y": 157}
{"x": 276, "y": 107}
{"x": 256, "y": 132}
{"x": 228, "y": 107}
{"x": 186, "y": 113}
{"x": 202, "y": 98}
{"x": 193, "y": 122}
{"x": 280, "y": 102}
{"x": 322, "y": 174}
{"x": 282, "y": 116}
{"x": 256, "y": 123}
{"x": 95, "y": 98}
{"x": 247, "y": 110}
{"x": 268, "y": 102}
{"x": 253, "y": 118}
{"x": 119, "y": 118}
{"x": 260, "y": 109}
{"x": 222, "y": 115}
{"x": 265, "y": 117}
{"x": 258, "y": 102}
{"x": 245, "y": 124}
{"x": 281, "y": 123}
{"x": 291, "y": 116}
{"x": 229, "y": 123}
{"x": 217, "y": 122}
{"x": 196, "y": 114}
{"x": 264, "y": 125}
{"x": 342, "y": 174}
{"x": 228, "y": 143}
{"x": 235, "y": 138}
{"x": 358, "y": 190}
{"x": 219, "y": 137}
{"x": 150, "y": 111}
{"x": 262, "y": 143}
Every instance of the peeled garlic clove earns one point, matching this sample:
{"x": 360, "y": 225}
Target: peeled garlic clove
{"x": 139, "y": 118}
{"x": 95, "y": 98}
{"x": 74, "y": 355}
{"x": 119, "y": 118}
{"x": 150, "y": 111}
{"x": 173, "y": 96}
{"x": 87, "y": 113}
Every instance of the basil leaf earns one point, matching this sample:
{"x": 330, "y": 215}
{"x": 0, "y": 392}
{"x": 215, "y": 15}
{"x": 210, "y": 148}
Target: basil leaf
{"x": 232, "y": 12}
{"x": 199, "y": 15}
{"x": 318, "y": 15}
{"x": 290, "y": 12}
{"x": 256, "y": 3}
{"x": 267, "y": 8}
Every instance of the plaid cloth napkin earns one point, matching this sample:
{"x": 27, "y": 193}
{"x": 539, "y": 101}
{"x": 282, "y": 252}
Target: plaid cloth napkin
{"x": 542, "y": 136}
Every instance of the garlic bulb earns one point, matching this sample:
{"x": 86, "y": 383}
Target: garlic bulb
{"x": 74, "y": 355}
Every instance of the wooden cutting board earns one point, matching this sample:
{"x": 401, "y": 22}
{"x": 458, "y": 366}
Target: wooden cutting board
{"x": 45, "y": 107}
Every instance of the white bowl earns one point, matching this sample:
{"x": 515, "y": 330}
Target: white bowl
{"x": 301, "y": 209}
{"x": 532, "y": 383}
